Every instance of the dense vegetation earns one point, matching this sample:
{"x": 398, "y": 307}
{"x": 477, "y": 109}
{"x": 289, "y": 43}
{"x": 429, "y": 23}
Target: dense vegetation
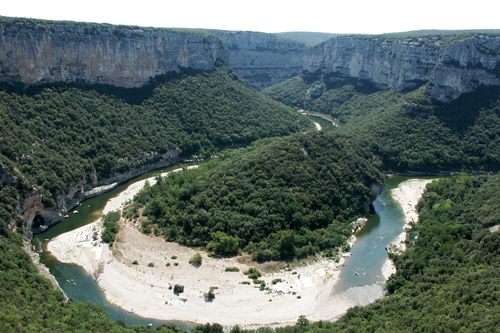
{"x": 447, "y": 279}
{"x": 294, "y": 196}
{"x": 57, "y": 135}
{"x": 280, "y": 198}
{"x": 406, "y": 131}
{"x": 110, "y": 227}
{"x": 30, "y": 303}
{"x": 88, "y": 28}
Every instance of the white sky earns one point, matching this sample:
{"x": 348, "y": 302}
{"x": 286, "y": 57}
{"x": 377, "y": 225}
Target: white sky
{"x": 336, "y": 16}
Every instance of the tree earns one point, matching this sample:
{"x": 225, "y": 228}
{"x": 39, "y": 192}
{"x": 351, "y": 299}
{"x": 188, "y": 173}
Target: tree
{"x": 223, "y": 243}
{"x": 302, "y": 321}
{"x": 111, "y": 227}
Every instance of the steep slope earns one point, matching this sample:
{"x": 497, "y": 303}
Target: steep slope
{"x": 406, "y": 132}
{"x": 67, "y": 139}
{"x": 37, "y": 51}
{"x": 306, "y": 37}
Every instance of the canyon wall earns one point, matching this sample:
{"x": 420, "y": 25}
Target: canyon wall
{"x": 120, "y": 56}
{"x": 406, "y": 64}
{"x": 263, "y": 59}
{"x": 37, "y": 51}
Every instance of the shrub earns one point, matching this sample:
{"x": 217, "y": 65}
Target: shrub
{"x": 178, "y": 289}
{"x": 173, "y": 257}
{"x": 232, "y": 269}
{"x": 196, "y": 259}
{"x": 253, "y": 273}
{"x": 210, "y": 296}
{"x": 146, "y": 227}
{"x": 135, "y": 262}
{"x": 167, "y": 264}
{"x": 151, "y": 264}
{"x": 245, "y": 282}
{"x": 276, "y": 281}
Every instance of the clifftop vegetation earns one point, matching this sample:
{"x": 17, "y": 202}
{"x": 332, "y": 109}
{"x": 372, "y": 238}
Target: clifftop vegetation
{"x": 307, "y": 38}
{"x": 89, "y": 28}
{"x": 438, "y": 39}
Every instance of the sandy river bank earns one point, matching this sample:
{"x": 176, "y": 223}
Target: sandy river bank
{"x": 146, "y": 287}
{"x": 407, "y": 195}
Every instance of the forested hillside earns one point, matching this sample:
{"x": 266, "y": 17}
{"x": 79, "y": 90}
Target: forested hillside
{"x": 406, "y": 131}
{"x": 282, "y": 197}
{"x": 59, "y": 134}
{"x": 446, "y": 281}
{"x": 294, "y": 196}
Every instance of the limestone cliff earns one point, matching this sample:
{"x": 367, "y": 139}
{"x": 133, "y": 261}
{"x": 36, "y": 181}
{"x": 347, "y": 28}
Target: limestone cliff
{"x": 263, "y": 59}
{"x": 39, "y": 218}
{"x": 450, "y": 71}
{"x": 47, "y": 51}
{"x": 37, "y": 51}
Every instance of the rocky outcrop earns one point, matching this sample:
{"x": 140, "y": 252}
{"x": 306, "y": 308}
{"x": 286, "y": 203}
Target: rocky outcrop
{"x": 377, "y": 189}
{"x": 149, "y": 162}
{"x": 263, "y": 59}
{"x": 39, "y": 218}
{"x": 450, "y": 71}
{"x": 120, "y": 56}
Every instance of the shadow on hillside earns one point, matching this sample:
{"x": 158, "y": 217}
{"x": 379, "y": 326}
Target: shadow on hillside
{"x": 461, "y": 114}
{"x": 132, "y": 96}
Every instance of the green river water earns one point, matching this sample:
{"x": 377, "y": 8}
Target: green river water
{"x": 363, "y": 270}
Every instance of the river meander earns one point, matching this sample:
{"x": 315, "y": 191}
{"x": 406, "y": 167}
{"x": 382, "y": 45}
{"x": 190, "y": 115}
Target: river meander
{"x": 363, "y": 270}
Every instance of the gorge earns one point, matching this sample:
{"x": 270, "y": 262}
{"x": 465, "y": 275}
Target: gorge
{"x": 85, "y": 107}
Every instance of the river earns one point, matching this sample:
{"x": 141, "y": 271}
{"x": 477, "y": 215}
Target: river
{"x": 81, "y": 286}
{"x": 362, "y": 270}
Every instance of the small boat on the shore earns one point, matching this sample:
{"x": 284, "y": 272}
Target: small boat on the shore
{"x": 75, "y": 212}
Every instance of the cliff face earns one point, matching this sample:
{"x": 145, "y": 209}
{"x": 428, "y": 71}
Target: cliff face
{"x": 39, "y": 217}
{"x": 124, "y": 57}
{"x": 130, "y": 56}
{"x": 450, "y": 71}
{"x": 263, "y": 59}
